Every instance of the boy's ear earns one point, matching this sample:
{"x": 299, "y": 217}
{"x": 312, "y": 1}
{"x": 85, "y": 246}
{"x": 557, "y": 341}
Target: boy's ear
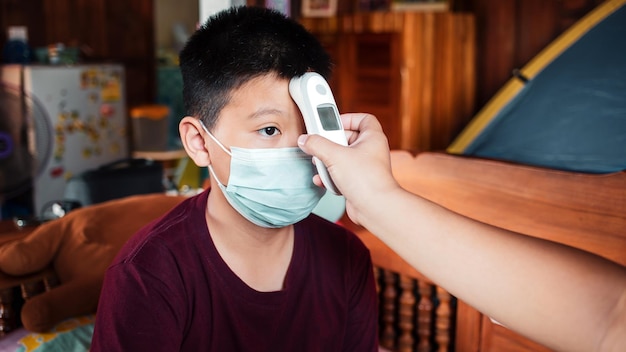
{"x": 192, "y": 136}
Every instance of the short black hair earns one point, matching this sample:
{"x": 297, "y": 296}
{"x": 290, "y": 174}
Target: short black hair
{"x": 239, "y": 44}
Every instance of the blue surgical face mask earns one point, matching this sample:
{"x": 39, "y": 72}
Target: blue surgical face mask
{"x": 271, "y": 187}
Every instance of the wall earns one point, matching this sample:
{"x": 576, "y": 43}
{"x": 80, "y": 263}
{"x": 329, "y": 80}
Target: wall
{"x": 171, "y": 13}
{"x": 511, "y": 32}
{"x": 105, "y": 30}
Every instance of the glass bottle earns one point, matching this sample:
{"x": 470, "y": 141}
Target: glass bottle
{"x": 16, "y": 50}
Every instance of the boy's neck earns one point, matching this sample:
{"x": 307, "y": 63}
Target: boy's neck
{"x": 258, "y": 256}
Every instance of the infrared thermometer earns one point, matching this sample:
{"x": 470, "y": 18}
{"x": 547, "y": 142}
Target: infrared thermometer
{"x": 315, "y": 100}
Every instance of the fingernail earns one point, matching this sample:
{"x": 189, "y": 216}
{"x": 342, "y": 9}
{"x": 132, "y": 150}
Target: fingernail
{"x": 302, "y": 139}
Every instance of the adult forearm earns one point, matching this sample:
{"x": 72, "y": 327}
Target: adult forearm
{"x": 556, "y": 295}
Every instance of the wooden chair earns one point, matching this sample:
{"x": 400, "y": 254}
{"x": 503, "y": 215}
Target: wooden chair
{"x": 586, "y": 211}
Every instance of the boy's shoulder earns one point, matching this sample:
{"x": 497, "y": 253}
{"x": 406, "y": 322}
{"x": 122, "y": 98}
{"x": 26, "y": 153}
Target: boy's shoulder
{"x": 166, "y": 229}
{"x": 184, "y": 213}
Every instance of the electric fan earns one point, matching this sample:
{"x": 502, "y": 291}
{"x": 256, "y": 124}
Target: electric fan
{"x": 25, "y": 141}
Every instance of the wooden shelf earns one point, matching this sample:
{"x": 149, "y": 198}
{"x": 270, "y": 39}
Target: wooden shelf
{"x": 161, "y": 155}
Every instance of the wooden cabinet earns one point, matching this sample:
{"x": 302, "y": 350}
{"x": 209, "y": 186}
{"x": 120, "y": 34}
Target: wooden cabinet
{"x": 413, "y": 70}
{"x": 476, "y": 332}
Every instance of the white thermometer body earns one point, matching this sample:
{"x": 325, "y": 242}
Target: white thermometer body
{"x": 315, "y": 100}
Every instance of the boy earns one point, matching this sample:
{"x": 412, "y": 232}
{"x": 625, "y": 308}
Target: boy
{"x": 243, "y": 266}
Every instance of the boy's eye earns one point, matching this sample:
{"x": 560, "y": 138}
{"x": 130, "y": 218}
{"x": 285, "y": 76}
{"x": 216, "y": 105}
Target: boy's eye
{"x": 269, "y": 131}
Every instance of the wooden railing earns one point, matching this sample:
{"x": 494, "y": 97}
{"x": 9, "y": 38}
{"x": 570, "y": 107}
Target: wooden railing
{"x": 415, "y": 315}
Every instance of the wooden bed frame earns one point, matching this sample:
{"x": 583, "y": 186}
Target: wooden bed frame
{"x": 581, "y": 210}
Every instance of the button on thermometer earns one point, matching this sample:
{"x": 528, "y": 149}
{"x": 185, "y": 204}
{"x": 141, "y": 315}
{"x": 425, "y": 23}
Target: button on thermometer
{"x": 315, "y": 100}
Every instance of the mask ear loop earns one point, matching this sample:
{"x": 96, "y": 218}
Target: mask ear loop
{"x": 214, "y": 139}
{"x": 221, "y": 146}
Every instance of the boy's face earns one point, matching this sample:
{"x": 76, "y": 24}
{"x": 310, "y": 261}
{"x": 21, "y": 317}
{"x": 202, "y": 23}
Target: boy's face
{"x": 260, "y": 114}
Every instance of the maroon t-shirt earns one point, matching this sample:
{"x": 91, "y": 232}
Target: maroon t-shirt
{"x": 169, "y": 289}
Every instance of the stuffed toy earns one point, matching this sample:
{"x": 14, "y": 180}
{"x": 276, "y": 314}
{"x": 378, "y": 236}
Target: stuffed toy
{"x": 79, "y": 247}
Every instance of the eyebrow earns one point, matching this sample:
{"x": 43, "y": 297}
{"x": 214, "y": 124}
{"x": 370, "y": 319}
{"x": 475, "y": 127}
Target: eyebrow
{"x": 266, "y": 111}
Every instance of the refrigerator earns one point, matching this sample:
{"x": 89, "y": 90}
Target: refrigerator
{"x": 56, "y": 122}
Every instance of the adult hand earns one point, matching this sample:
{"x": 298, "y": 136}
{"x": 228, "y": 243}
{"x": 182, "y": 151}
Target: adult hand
{"x": 361, "y": 171}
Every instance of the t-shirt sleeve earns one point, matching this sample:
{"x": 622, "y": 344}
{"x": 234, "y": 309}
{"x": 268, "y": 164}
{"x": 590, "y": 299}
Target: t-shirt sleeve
{"x": 136, "y": 312}
{"x": 362, "y": 328}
